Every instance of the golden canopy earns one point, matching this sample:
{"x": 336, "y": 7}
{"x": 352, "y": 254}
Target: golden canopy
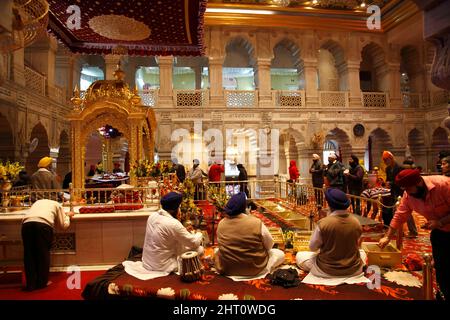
{"x": 110, "y": 102}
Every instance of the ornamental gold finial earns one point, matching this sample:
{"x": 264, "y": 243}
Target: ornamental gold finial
{"x": 119, "y": 74}
{"x": 76, "y": 100}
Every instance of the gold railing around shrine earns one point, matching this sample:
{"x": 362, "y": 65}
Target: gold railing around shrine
{"x": 104, "y": 199}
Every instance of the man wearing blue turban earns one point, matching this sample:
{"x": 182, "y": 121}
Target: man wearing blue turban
{"x": 245, "y": 244}
{"x": 338, "y": 238}
{"x": 166, "y": 238}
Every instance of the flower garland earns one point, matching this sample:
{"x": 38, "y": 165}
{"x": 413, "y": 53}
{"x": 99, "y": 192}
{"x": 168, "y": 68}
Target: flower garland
{"x": 188, "y": 209}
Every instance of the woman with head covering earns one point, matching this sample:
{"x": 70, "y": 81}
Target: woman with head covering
{"x": 243, "y": 176}
{"x": 293, "y": 171}
{"x": 245, "y": 244}
{"x": 316, "y": 171}
{"x": 355, "y": 177}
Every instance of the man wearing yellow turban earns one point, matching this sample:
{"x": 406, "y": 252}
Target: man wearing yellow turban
{"x": 44, "y": 178}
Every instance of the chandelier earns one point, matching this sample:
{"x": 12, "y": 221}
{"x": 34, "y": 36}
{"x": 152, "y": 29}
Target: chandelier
{"x": 29, "y": 19}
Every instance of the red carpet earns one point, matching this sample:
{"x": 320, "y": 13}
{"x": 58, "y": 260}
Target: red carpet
{"x": 58, "y": 290}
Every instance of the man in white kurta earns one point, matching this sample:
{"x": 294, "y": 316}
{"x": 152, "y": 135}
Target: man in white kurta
{"x": 166, "y": 238}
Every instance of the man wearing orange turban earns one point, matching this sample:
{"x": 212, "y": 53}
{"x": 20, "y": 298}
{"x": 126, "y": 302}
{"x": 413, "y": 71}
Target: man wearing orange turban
{"x": 44, "y": 178}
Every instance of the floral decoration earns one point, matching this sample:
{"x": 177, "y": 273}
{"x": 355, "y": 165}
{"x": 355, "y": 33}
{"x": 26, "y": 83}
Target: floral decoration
{"x": 146, "y": 168}
{"x": 10, "y": 170}
{"x": 218, "y": 197}
{"x": 188, "y": 208}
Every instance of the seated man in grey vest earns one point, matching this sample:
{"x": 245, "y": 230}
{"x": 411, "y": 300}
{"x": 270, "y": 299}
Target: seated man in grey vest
{"x": 337, "y": 237}
{"x": 245, "y": 244}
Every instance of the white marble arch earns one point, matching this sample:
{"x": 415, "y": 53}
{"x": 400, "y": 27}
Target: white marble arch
{"x": 374, "y": 59}
{"x": 439, "y": 142}
{"x": 416, "y": 143}
{"x": 343, "y": 141}
{"x": 340, "y": 60}
{"x": 239, "y": 52}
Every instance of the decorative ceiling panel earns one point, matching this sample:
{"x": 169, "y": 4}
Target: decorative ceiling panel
{"x": 140, "y": 27}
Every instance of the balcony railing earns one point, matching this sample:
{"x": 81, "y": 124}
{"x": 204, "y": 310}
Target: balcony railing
{"x": 191, "y": 98}
{"x": 241, "y": 98}
{"x": 149, "y": 97}
{"x": 439, "y": 98}
{"x": 291, "y": 98}
{"x": 35, "y": 81}
{"x": 412, "y": 100}
{"x": 57, "y": 94}
{"x": 375, "y": 99}
{"x": 333, "y": 98}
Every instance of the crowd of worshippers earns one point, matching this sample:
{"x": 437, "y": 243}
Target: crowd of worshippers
{"x": 354, "y": 180}
{"x": 245, "y": 245}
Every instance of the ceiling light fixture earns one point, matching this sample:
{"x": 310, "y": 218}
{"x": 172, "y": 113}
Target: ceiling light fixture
{"x": 363, "y": 5}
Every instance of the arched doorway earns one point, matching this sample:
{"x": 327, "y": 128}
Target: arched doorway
{"x": 379, "y": 140}
{"x": 332, "y": 67}
{"x": 439, "y": 142}
{"x": 239, "y": 66}
{"x": 339, "y": 140}
{"x": 372, "y": 78}
{"x": 38, "y": 148}
{"x": 6, "y": 140}
{"x": 288, "y": 151}
{"x": 286, "y": 69}
{"x": 416, "y": 143}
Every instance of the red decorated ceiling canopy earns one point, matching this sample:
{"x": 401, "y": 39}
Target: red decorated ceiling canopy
{"x": 143, "y": 27}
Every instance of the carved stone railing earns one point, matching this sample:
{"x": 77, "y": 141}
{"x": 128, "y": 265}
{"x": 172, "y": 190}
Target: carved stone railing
{"x": 34, "y": 81}
{"x": 289, "y": 98}
{"x": 375, "y": 99}
{"x": 149, "y": 97}
{"x": 333, "y": 98}
{"x": 191, "y": 98}
{"x": 412, "y": 100}
{"x": 439, "y": 98}
{"x": 241, "y": 98}
{"x": 57, "y": 94}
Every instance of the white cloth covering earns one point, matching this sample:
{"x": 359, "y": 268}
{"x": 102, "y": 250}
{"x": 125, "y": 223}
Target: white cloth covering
{"x": 276, "y": 258}
{"x": 307, "y": 261}
{"x": 137, "y": 270}
{"x": 165, "y": 240}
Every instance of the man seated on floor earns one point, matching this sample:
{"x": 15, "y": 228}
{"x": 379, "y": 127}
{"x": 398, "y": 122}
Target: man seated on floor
{"x": 166, "y": 239}
{"x": 337, "y": 237}
{"x": 245, "y": 244}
